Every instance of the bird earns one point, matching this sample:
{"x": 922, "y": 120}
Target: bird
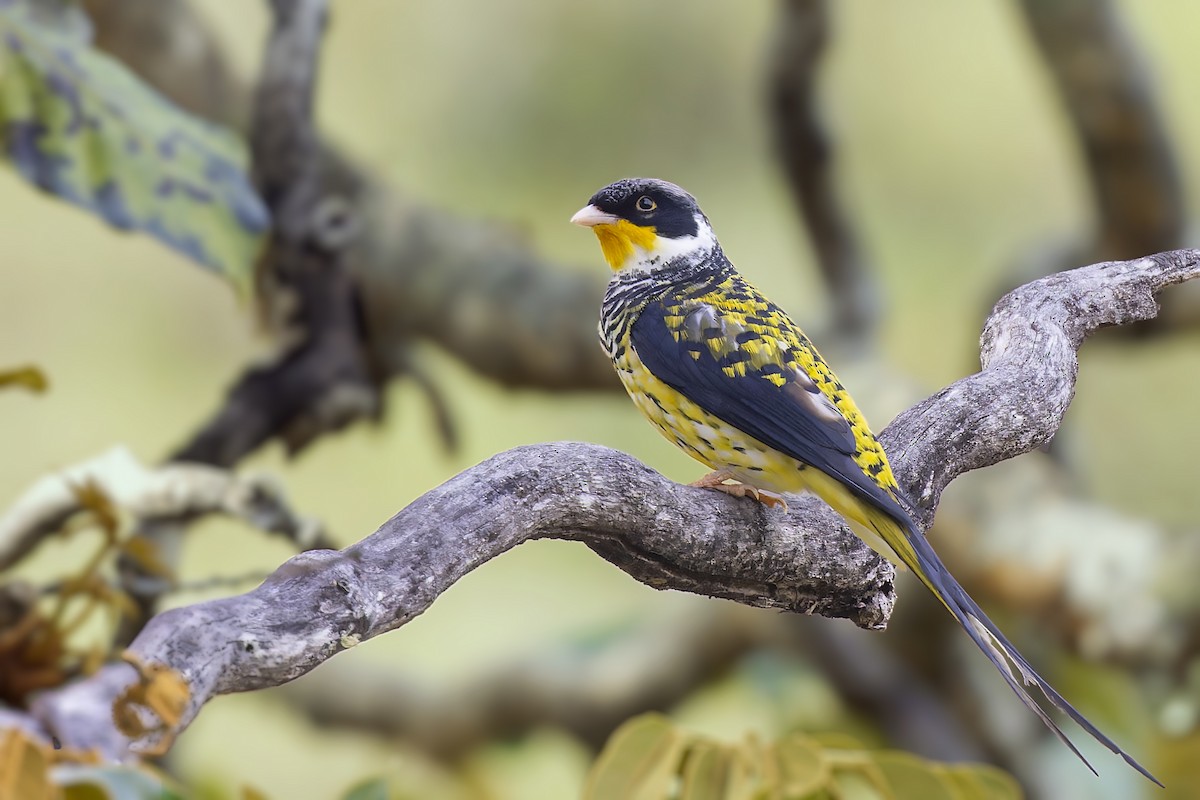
{"x": 726, "y": 375}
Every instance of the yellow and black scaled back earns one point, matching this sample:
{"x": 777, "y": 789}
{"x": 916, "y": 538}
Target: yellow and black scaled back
{"x": 727, "y": 376}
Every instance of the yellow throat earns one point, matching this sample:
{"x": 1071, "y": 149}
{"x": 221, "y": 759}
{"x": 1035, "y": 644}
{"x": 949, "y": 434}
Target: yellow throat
{"x": 619, "y": 239}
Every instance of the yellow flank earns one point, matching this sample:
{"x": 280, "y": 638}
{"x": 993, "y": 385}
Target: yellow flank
{"x": 618, "y": 240}
{"x": 757, "y": 341}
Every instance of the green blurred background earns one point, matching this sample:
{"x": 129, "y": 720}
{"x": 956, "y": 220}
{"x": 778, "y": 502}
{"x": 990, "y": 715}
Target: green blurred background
{"x": 953, "y": 157}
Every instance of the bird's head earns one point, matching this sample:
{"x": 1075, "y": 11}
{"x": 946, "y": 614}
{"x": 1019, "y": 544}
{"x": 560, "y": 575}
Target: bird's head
{"x": 643, "y": 223}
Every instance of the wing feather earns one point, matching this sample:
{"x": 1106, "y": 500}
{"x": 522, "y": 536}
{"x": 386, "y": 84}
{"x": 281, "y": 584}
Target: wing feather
{"x": 755, "y": 382}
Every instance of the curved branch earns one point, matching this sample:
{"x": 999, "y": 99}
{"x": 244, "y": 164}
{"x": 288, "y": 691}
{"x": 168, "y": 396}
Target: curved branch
{"x": 667, "y": 535}
{"x": 664, "y": 534}
{"x": 1029, "y": 346}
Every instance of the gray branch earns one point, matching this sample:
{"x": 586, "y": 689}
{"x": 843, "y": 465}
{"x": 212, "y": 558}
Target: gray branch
{"x": 1029, "y": 352}
{"x": 669, "y": 536}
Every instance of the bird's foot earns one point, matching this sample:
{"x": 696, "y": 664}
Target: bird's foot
{"x": 712, "y": 479}
{"x": 716, "y": 480}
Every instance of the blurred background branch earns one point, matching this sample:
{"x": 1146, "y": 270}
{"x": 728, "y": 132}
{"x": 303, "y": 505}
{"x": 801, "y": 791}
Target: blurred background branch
{"x": 1113, "y": 111}
{"x": 473, "y": 288}
{"x": 1130, "y": 166}
{"x": 169, "y": 492}
{"x": 586, "y": 689}
{"x": 320, "y": 379}
{"x": 806, "y": 153}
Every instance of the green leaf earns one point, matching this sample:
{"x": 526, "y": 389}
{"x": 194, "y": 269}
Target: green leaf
{"x": 371, "y": 789}
{"x": 983, "y": 782}
{"x": 855, "y": 785}
{"x": 95, "y": 782}
{"x": 713, "y": 771}
{"x": 855, "y": 775}
{"x": 801, "y": 766}
{"x": 78, "y": 124}
{"x": 639, "y": 762}
{"x": 650, "y": 759}
{"x": 909, "y": 776}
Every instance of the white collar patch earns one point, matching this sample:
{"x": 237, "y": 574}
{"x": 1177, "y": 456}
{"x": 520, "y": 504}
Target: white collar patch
{"x": 667, "y": 250}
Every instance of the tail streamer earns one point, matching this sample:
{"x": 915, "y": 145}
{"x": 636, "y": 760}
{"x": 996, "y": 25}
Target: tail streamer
{"x": 914, "y": 550}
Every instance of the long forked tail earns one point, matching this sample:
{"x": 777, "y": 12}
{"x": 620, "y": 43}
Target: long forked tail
{"x": 920, "y": 557}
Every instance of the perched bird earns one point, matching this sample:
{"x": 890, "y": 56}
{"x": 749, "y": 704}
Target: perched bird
{"x": 723, "y": 372}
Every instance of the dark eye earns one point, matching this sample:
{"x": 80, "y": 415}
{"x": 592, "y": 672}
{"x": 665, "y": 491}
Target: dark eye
{"x": 646, "y": 204}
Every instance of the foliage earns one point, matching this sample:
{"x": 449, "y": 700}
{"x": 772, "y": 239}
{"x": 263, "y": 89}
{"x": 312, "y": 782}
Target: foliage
{"x": 23, "y": 766}
{"x": 30, "y": 769}
{"x": 99, "y": 782}
{"x": 649, "y": 758}
{"x": 163, "y": 692}
{"x": 374, "y": 789}
{"x": 81, "y": 126}
{"x": 37, "y": 647}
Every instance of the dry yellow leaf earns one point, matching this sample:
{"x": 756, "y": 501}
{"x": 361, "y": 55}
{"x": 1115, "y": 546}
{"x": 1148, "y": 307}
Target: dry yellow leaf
{"x": 30, "y": 378}
{"x": 24, "y": 768}
{"x": 92, "y": 497}
{"x": 163, "y": 692}
{"x": 145, "y": 554}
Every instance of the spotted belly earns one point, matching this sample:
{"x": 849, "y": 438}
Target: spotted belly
{"x": 709, "y": 439}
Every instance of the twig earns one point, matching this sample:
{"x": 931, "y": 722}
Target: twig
{"x": 169, "y": 492}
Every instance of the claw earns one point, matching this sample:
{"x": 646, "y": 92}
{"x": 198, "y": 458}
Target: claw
{"x": 716, "y": 480}
{"x": 771, "y": 499}
{"x": 712, "y": 480}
